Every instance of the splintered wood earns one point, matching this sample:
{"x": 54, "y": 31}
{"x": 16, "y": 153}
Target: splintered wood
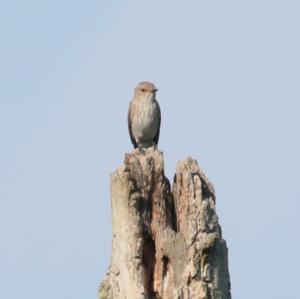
{"x": 167, "y": 244}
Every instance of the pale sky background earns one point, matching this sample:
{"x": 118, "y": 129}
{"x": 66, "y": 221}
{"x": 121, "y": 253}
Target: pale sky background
{"x": 228, "y": 77}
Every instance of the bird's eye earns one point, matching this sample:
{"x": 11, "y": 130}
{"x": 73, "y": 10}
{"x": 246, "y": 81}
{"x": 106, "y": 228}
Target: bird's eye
{"x": 143, "y": 89}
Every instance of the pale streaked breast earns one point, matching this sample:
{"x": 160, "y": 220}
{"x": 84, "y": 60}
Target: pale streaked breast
{"x": 145, "y": 121}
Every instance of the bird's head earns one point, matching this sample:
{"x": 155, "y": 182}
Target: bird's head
{"x": 145, "y": 91}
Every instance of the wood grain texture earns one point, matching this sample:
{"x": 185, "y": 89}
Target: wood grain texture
{"x": 167, "y": 244}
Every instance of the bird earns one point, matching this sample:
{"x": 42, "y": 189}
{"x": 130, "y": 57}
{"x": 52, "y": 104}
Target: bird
{"x": 144, "y": 116}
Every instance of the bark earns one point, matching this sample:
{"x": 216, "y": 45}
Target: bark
{"x": 167, "y": 244}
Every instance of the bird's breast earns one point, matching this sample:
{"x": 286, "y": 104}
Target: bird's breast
{"x": 145, "y": 120}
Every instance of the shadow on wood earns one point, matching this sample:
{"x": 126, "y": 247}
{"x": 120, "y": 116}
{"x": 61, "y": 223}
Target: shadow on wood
{"x": 166, "y": 244}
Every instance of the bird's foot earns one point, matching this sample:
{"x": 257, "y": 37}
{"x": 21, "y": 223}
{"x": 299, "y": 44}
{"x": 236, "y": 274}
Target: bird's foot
{"x": 144, "y": 147}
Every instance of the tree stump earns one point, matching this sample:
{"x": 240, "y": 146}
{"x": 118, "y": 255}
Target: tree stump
{"x": 167, "y": 244}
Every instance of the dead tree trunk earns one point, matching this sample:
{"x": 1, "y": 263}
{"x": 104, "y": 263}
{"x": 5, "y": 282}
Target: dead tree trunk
{"x": 167, "y": 244}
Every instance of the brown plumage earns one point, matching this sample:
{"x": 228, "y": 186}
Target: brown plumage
{"x": 144, "y": 116}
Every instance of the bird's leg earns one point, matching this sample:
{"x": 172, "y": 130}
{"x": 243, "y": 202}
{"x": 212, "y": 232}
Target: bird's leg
{"x": 141, "y": 148}
{"x": 147, "y": 144}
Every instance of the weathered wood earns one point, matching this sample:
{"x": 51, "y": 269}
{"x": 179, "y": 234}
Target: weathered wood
{"x": 166, "y": 244}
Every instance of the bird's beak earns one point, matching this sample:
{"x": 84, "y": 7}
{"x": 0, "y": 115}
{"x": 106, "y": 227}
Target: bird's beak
{"x": 155, "y": 90}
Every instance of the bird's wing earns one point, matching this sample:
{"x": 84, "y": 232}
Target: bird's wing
{"x": 156, "y": 137}
{"x": 130, "y": 125}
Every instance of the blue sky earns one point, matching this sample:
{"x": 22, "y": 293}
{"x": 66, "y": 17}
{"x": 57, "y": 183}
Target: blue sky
{"x": 228, "y": 77}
